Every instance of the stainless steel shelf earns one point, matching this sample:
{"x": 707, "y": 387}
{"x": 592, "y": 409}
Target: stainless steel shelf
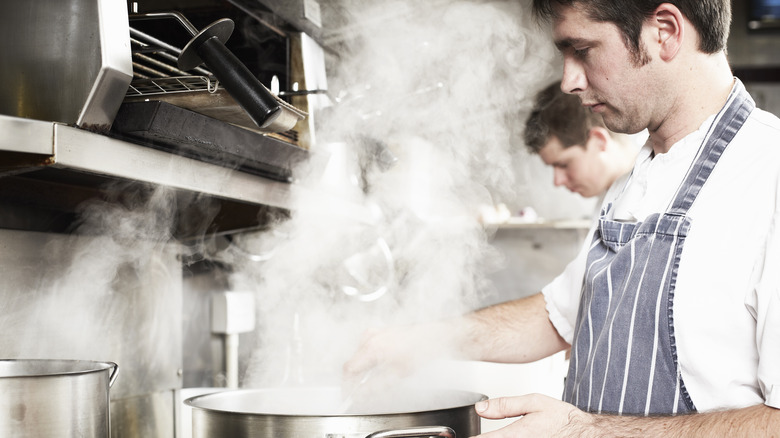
{"x": 520, "y": 224}
{"x": 30, "y": 145}
{"x": 48, "y": 169}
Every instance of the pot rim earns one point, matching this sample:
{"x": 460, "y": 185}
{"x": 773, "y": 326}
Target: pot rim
{"x": 60, "y": 367}
{"x": 193, "y": 403}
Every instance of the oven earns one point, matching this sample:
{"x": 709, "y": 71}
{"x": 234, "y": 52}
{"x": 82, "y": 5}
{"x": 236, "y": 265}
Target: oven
{"x": 226, "y": 82}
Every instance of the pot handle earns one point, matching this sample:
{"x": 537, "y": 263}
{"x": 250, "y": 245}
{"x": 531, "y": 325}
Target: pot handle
{"x": 113, "y": 375}
{"x": 415, "y": 432}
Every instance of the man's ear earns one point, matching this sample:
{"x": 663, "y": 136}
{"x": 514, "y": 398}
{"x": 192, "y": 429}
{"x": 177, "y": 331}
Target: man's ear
{"x": 598, "y": 137}
{"x": 670, "y": 26}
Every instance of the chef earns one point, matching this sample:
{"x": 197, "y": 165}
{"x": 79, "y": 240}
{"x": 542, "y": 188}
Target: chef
{"x": 672, "y": 308}
{"x": 586, "y": 157}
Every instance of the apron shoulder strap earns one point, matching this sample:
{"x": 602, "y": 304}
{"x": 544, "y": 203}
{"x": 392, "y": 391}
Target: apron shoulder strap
{"x": 722, "y": 131}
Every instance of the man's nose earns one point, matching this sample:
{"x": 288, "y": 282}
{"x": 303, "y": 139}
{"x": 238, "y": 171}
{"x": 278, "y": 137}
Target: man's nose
{"x": 574, "y": 80}
{"x": 559, "y": 177}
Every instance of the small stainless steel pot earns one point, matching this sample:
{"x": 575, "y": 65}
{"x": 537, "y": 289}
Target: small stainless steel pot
{"x": 313, "y": 413}
{"x": 62, "y": 398}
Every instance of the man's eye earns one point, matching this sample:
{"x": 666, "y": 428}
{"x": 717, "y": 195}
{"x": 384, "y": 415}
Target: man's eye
{"x": 581, "y": 52}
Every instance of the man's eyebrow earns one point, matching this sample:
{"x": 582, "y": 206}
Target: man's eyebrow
{"x": 565, "y": 43}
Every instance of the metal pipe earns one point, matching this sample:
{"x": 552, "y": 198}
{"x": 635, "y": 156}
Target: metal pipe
{"x": 172, "y": 14}
{"x": 231, "y": 360}
{"x": 171, "y": 69}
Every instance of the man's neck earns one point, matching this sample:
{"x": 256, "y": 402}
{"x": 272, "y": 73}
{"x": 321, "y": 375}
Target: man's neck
{"x": 710, "y": 84}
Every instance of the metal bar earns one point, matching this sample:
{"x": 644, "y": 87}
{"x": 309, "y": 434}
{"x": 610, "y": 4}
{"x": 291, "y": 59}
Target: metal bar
{"x": 141, "y": 36}
{"x": 137, "y": 66}
{"x": 171, "y": 69}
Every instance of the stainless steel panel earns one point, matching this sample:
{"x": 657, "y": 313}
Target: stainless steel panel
{"x": 150, "y": 415}
{"x": 64, "y": 60}
{"x": 26, "y": 136}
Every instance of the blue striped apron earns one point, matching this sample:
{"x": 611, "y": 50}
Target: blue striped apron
{"x": 624, "y": 357}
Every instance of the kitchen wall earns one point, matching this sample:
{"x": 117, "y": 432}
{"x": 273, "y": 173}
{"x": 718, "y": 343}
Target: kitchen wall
{"x": 766, "y": 95}
{"x": 755, "y": 58}
{"x": 752, "y": 49}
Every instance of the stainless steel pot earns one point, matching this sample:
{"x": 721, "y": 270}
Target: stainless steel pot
{"x": 62, "y": 398}
{"x": 313, "y": 413}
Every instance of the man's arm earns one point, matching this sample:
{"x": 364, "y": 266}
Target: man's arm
{"x": 512, "y": 332}
{"x": 517, "y": 331}
{"x": 754, "y": 421}
{"x": 544, "y": 416}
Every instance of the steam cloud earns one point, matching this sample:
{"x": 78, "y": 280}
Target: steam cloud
{"x": 89, "y": 294}
{"x": 445, "y": 86}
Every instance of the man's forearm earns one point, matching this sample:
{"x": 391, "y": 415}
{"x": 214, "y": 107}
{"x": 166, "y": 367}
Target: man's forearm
{"x": 517, "y": 331}
{"x": 751, "y": 422}
{"x": 513, "y": 332}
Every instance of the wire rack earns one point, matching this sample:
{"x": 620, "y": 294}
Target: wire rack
{"x": 155, "y": 70}
{"x": 174, "y": 84}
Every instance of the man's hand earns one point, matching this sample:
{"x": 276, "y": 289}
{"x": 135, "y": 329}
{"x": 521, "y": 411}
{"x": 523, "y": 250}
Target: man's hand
{"x": 539, "y": 416}
{"x": 397, "y": 351}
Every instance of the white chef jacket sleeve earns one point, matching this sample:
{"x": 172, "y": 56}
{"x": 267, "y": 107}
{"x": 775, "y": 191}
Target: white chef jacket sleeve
{"x": 764, "y": 304}
{"x": 562, "y": 295}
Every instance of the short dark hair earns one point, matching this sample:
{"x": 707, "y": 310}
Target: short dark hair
{"x": 710, "y": 18}
{"x": 558, "y": 114}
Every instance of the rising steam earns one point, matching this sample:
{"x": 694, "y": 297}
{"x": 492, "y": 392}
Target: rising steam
{"x": 443, "y": 86}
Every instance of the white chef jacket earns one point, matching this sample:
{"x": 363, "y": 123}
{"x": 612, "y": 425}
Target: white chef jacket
{"x": 727, "y": 298}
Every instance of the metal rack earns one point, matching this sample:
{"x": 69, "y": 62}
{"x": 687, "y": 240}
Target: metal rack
{"x": 178, "y": 84}
{"x": 155, "y": 71}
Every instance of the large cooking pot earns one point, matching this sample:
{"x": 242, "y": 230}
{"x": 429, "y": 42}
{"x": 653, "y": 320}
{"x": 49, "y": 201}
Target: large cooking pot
{"x": 62, "y": 398}
{"x": 315, "y": 413}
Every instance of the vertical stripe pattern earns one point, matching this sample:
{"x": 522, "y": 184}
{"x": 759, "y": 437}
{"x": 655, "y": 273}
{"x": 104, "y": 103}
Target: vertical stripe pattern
{"x": 624, "y": 357}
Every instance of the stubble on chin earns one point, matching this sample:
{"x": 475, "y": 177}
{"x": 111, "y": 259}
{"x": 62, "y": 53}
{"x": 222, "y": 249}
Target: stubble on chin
{"x": 618, "y": 122}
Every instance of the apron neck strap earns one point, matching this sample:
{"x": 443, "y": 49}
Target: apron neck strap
{"x": 723, "y": 129}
